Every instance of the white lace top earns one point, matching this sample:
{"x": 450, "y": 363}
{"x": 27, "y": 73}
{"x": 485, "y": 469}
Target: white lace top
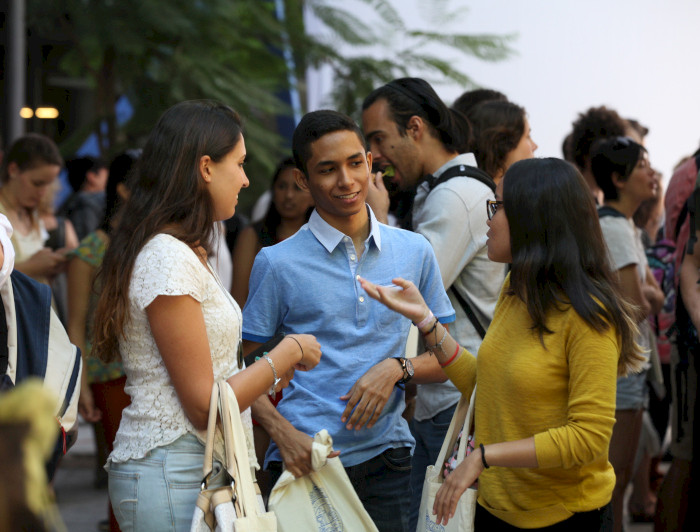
{"x": 155, "y": 417}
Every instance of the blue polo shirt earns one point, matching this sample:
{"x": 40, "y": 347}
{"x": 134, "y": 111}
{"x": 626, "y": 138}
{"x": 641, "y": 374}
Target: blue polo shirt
{"x": 308, "y": 284}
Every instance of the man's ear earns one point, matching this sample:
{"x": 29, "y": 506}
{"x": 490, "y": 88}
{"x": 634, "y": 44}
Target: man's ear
{"x": 415, "y": 127}
{"x": 204, "y": 170}
{"x": 369, "y": 161}
{"x": 301, "y": 180}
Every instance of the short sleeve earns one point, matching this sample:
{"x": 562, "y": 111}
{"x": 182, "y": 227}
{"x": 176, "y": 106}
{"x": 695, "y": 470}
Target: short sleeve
{"x": 166, "y": 267}
{"x": 262, "y": 313}
{"x": 432, "y": 289}
{"x": 620, "y": 240}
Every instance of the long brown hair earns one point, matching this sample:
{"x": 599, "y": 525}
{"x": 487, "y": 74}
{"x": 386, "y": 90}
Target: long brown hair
{"x": 168, "y": 195}
{"x": 559, "y": 255}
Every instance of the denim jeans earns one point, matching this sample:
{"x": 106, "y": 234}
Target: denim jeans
{"x": 158, "y": 492}
{"x": 382, "y": 484}
{"x": 429, "y": 435}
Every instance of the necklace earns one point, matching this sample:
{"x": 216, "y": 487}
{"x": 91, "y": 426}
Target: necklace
{"x": 236, "y": 309}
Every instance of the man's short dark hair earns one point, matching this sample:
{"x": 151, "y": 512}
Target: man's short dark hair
{"x": 315, "y": 125}
{"x": 596, "y": 123}
{"x": 409, "y": 97}
{"x": 470, "y": 99}
{"x": 78, "y": 168}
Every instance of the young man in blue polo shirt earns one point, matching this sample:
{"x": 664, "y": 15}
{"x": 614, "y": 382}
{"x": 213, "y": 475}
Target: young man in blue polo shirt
{"x": 308, "y": 283}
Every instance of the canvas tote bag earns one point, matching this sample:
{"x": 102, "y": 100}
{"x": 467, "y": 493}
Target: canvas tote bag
{"x": 324, "y": 500}
{"x": 463, "y": 520}
{"x": 236, "y": 507}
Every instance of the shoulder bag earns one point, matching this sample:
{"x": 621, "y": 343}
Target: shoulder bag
{"x": 463, "y": 520}
{"x": 236, "y": 506}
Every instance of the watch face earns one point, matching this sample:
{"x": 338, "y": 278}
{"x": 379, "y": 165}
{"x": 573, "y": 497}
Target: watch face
{"x": 409, "y": 368}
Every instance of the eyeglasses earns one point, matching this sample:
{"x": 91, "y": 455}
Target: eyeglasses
{"x": 492, "y": 207}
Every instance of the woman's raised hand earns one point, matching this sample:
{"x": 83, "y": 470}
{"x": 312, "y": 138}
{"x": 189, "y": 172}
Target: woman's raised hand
{"x": 309, "y": 348}
{"x": 404, "y": 298}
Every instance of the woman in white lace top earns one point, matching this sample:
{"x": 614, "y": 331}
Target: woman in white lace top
{"x": 165, "y": 312}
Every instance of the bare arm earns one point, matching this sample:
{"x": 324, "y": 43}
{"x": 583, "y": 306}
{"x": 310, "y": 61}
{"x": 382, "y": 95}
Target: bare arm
{"x": 72, "y": 241}
{"x": 80, "y": 278}
{"x": 44, "y": 263}
{"x": 247, "y": 247}
{"x": 520, "y": 453}
{"x": 178, "y": 327}
{"x": 294, "y": 445}
{"x": 652, "y": 292}
{"x": 632, "y": 289}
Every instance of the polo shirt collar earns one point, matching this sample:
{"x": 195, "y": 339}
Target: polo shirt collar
{"x": 330, "y": 237}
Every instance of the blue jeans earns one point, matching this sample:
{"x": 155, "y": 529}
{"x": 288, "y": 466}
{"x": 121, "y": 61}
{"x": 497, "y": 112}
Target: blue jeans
{"x": 382, "y": 484}
{"x": 429, "y": 435}
{"x": 158, "y": 492}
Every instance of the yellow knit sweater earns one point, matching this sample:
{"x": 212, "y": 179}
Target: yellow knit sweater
{"x": 563, "y": 395}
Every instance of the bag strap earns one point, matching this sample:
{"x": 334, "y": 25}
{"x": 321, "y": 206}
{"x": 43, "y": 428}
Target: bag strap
{"x": 237, "y": 452}
{"x": 462, "y": 170}
{"x": 458, "y": 419}
{"x": 208, "y": 465}
{"x": 462, "y": 451}
{"x": 469, "y": 312}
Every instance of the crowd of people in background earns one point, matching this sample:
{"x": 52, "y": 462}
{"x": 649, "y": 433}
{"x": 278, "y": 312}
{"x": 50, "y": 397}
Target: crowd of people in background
{"x": 567, "y": 289}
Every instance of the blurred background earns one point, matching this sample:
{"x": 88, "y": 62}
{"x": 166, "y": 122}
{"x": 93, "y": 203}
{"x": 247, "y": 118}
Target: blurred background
{"x": 95, "y": 74}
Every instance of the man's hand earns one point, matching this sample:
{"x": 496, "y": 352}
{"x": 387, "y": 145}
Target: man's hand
{"x": 378, "y": 197}
{"x": 370, "y": 393}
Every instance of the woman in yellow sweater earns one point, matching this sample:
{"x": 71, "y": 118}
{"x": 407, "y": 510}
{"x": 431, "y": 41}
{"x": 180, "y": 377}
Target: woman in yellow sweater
{"x": 561, "y": 334}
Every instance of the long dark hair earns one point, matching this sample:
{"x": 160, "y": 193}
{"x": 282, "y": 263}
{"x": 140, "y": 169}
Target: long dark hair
{"x": 119, "y": 170}
{"x": 409, "y": 97}
{"x": 559, "y": 255}
{"x": 267, "y": 227}
{"x": 498, "y": 127}
{"x": 168, "y": 195}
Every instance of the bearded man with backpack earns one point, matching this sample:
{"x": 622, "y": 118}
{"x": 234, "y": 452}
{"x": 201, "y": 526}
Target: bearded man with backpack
{"x": 411, "y": 129}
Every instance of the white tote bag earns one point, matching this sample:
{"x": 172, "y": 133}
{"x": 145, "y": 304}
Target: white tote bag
{"x": 463, "y": 520}
{"x": 238, "y": 506}
{"x": 324, "y": 500}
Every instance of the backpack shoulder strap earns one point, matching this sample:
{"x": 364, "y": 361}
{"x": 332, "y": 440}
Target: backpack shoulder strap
{"x": 469, "y": 312}
{"x": 462, "y": 170}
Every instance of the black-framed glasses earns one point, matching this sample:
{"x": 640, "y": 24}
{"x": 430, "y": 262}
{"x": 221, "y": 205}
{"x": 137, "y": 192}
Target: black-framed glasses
{"x": 492, "y": 207}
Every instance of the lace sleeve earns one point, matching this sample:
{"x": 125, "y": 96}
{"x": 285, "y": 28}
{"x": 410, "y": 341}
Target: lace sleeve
{"x": 166, "y": 266}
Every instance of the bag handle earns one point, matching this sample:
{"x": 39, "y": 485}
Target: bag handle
{"x": 208, "y": 465}
{"x": 461, "y": 412}
{"x": 462, "y": 451}
{"x": 237, "y": 451}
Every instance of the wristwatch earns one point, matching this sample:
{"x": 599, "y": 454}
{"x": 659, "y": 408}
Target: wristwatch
{"x": 407, "y": 367}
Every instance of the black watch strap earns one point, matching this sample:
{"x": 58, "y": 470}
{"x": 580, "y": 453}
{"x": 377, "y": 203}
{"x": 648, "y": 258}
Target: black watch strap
{"x": 406, "y": 377}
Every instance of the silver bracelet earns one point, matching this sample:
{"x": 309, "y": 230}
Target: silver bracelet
{"x": 271, "y": 391}
{"x": 439, "y": 344}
